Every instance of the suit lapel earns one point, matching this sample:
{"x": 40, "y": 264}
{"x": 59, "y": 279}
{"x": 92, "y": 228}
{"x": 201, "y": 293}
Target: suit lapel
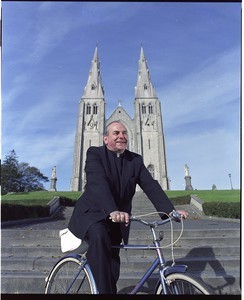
{"x": 111, "y": 168}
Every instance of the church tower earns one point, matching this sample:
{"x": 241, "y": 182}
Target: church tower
{"x": 148, "y": 125}
{"x": 145, "y": 130}
{"x": 91, "y": 122}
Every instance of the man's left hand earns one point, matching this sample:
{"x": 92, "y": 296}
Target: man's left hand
{"x": 183, "y": 213}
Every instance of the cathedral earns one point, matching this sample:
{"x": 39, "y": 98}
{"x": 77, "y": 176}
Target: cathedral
{"x": 145, "y": 130}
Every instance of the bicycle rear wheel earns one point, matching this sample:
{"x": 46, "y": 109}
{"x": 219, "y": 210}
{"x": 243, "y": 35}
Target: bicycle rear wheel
{"x": 71, "y": 275}
{"x": 182, "y": 284}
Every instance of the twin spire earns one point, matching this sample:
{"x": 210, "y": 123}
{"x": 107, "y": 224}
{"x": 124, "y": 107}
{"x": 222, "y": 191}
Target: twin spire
{"x": 94, "y": 88}
{"x": 143, "y": 89}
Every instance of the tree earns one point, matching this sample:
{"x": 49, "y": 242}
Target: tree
{"x": 31, "y": 177}
{"x": 19, "y": 177}
{"x": 10, "y": 175}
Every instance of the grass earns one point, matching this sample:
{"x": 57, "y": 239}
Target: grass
{"x": 221, "y": 196}
{"x": 43, "y": 197}
{"x": 209, "y": 195}
{"x": 37, "y": 198}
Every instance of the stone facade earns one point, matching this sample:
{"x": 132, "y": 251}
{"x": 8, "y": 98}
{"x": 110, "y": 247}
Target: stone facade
{"x": 145, "y": 130}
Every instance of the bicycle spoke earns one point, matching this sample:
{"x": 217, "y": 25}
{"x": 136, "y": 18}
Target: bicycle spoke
{"x": 69, "y": 276}
{"x": 183, "y": 284}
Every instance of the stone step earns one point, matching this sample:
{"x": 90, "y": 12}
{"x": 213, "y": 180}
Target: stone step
{"x": 144, "y": 233}
{"x": 212, "y": 252}
{"x": 221, "y": 285}
{"x": 34, "y": 282}
{"x": 55, "y": 251}
{"x": 128, "y": 264}
{"x": 195, "y": 241}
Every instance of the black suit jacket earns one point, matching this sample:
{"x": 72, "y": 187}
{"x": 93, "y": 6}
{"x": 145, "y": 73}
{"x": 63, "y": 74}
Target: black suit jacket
{"x": 102, "y": 194}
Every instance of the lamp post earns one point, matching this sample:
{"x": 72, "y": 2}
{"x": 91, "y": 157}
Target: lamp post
{"x": 230, "y": 181}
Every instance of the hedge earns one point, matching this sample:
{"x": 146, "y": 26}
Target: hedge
{"x": 222, "y": 209}
{"x": 18, "y": 212}
{"x": 64, "y": 201}
{"x": 181, "y": 200}
{"x": 10, "y": 212}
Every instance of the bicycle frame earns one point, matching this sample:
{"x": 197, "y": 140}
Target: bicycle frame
{"x": 158, "y": 262}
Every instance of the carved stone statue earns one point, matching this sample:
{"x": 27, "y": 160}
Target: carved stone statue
{"x": 53, "y": 180}
{"x": 186, "y": 170}
{"x": 54, "y": 175}
{"x": 188, "y": 178}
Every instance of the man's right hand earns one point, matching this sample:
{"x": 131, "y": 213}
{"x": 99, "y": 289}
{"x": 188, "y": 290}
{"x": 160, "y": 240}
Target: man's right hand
{"x": 120, "y": 217}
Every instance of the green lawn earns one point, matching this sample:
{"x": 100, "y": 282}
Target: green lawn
{"x": 42, "y": 198}
{"x": 37, "y": 198}
{"x": 209, "y": 195}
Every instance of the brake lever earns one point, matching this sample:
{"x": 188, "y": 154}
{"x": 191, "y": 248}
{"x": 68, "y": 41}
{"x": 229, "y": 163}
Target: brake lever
{"x": 176, "y": 216}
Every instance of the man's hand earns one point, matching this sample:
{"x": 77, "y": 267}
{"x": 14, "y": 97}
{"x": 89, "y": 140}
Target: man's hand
{"x": 120, "y": 217}
{"x": 183, "y": 213}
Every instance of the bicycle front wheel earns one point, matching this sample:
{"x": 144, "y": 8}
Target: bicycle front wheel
{"x": 71, "y": 275}
{"x": 182, "y": 284}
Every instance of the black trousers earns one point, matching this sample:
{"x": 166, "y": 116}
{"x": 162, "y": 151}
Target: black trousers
{"x": 103, "y": 260}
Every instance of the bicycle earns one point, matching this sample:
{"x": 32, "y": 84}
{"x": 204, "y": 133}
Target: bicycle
{"x": 72, "y": 273}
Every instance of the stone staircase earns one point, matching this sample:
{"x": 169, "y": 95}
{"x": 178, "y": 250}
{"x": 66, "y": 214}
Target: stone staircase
{"x": 28, "y": 254}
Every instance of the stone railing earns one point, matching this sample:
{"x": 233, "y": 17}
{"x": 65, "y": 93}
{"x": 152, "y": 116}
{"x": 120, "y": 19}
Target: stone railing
{"x": 197, "y": 202}
{"x": 53, "y": 205}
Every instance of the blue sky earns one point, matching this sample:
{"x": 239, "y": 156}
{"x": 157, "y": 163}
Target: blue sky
{"x": 193, "y": 54}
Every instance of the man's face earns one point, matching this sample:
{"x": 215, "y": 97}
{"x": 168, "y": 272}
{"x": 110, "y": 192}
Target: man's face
{"x": 116, "y": 140}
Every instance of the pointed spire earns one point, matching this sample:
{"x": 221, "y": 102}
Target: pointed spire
{"x": 95, "y": 58}
{"x": 142, "y": 56}
{"x": 144, "y": 87}
{"x": 94, "y": 88}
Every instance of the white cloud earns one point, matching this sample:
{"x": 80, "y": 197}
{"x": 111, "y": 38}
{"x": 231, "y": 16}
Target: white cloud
{"x": 47, "y": 36}
{"x": 17, "y": 87}
{"x": 54, "y": 23}
{"x": 199, "y": 95}
{"x": 43, "y": 151}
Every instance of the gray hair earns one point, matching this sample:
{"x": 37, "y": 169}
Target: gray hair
{"x": 107, "y": 127}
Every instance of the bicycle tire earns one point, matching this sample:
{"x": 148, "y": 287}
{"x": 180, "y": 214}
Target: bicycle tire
{"x": 71, "y": 275}
{"x": 183, "y": 284}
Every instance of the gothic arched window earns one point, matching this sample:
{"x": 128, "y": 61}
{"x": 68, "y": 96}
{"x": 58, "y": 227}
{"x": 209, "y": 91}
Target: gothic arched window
{"x": 88, "y": 109}
{"x": 145, "y": 86}
{"x": 151, "y": 170}
{"x": 150, "y": 108}
{"x": 143, "y": 109}
{"x": 93, "y": 86}
{"x": 95, "y": 109}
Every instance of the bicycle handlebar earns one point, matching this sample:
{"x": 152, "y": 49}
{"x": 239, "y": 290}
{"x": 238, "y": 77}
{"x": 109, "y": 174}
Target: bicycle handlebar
{"x": 174, "y": 215}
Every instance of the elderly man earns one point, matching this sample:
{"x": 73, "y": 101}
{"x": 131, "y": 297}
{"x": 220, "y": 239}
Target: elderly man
{"x": 101, "y": 215}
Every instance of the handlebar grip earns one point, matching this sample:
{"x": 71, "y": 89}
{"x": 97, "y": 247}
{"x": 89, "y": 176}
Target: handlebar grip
{"x": 176, "y": 216}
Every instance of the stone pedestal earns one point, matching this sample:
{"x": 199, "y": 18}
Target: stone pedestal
{"x": 188, "y": 183}
{"x": 53, "y": 182}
